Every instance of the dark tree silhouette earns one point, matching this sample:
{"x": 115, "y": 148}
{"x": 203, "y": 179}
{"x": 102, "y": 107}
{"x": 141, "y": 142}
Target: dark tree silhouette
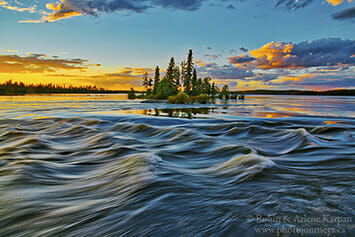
{"x": 188, "y": 72}
{"x": 156, "y": 79}
{"x": 20, "y": 88}
{"x": 170, "y": 85}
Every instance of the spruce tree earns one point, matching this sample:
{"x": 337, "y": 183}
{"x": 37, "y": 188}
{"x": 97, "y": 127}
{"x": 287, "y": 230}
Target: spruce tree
{"x": 199, "y": 86}
{"x": 156, "y": 79}
{"x": 145, "y": 80}
{"x": 176, "y": 78}
{"x": 206, "y": 85}
{"x": 171, "y": 70}
{"x": 188, "y": 72}
{"x": 150, "y": 85}
{"x": 194, "y": 83}
{"x": 213, "y": 90}
{"x": 183, "y": 72}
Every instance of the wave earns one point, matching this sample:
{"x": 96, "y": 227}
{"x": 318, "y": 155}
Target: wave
{"x": 241, "y": 168}
{"x": 142, "y": 176}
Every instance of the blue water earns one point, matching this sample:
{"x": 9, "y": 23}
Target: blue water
{"x": 100, "y": 165}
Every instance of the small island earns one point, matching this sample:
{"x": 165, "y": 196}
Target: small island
{"x": 180, "y": 85}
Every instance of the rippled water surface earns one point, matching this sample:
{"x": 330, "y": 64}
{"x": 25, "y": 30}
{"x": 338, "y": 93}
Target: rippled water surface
{"x": 100, "y": 165}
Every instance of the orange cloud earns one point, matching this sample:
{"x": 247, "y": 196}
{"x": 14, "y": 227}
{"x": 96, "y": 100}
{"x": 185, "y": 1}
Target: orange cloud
{"x": 292, "y": 79}
{"x": 6, "y": 5}
{"x": 60, "y": 11}
{"x": 337, "y": 2}
{"x": 124, "y": 78}
{"x": 322, "y": 52}
{"x": 41, "y": 68}
{"x": 36, "y": 63}
{"x": 30, "y": 21}
{"x": 199, "y": 62}
{"x": 273, "y": 55}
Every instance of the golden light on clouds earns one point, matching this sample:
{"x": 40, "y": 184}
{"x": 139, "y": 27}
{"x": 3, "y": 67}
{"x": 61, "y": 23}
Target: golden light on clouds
{"x": 337, "y": 2}
{"x": 41, "y": 68}
{"x": 272, "y": 55}
{"x": 59, "y": 15}
{"x": 38, "y": 63}
{"x": 6, "y": 5}
{"x": 59, "y": 10}
{"x": 199, "y": 62}
{"x": 30, "y": 21}
{"x": 123, "y": 78}
{"x": 272, "y": 50}
{"x": 62, "y": 9}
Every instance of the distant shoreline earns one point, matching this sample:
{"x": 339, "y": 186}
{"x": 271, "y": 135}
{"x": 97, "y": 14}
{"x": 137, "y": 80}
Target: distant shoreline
{"x": 248, "y": 92}
{"x": 341, "y": 92}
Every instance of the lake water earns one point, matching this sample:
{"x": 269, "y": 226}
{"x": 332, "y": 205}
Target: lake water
{"x": 100, "y": 165}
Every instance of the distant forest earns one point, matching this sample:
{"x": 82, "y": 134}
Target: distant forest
{"x": 338, "y": 92}
{"x": 19, "y": 88}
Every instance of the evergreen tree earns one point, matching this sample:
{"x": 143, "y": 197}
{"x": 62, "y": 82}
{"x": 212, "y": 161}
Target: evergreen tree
{"x": 188, "y": 73}
{"x": 225, "y": 92}
{"x": 206, "y": 86}
{"x": 199, "y": 86}
{"x": 173, "y": 76}
{"x": 131, "y": 94}
{"x": 150, "y": 85}
{"x": 170, "y": 72}
{"x": 194, "y": 85}
{"x": 176, "y": 78}
{"x": 165, "y": 89}
{"x": 183, "y": 73}
{"x": 145, "y": 80}
{"x": 213, "y": 90}
{"x": 156, "y": 79}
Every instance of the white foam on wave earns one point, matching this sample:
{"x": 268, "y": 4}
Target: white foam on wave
{"x": 240, "y": 167}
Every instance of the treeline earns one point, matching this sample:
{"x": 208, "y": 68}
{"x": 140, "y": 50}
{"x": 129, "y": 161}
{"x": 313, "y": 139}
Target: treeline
{"x": 20, "y": 88}
{"x": 338, "y": 92}
{"x": 178, "y": 79}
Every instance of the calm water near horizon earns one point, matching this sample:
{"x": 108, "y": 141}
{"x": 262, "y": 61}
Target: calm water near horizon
{"x": 102, "y": 165}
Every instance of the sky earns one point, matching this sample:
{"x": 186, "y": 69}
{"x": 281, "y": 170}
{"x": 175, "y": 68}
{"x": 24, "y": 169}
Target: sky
{"x": 246, "y": 44}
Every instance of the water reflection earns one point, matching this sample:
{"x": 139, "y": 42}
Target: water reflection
{"x": 259, "y": 106}
{"x": 62, "y": 97}
{"x": 170, "y": 112}
{"x": 178, "y": 113}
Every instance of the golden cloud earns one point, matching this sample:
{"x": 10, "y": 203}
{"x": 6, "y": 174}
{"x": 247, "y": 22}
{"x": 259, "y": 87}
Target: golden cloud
{"x": 199, "y": 62}
{"x": 41, "y": 68}
{"x": 273, "y": 55}
{"x": 59, "y": 10}
{"x": 6, "y": 5}
{"x": 122, "y": 79}
{"x": 322, "y": 52}
{"x": 30, "y": 21}
{"x": 36, "y": 63}
{"x": 337, "y": 2}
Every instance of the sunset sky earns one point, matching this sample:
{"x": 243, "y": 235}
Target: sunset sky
{"x": 247, "y": 44}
